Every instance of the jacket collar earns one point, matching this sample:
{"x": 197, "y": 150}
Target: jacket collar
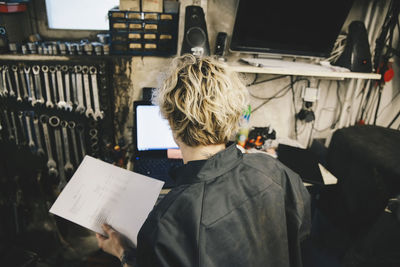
{"x": 202, "y": 170}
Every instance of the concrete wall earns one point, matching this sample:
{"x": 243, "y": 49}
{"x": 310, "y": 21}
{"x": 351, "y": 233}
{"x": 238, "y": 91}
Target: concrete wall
{"x": 278, "y": 113}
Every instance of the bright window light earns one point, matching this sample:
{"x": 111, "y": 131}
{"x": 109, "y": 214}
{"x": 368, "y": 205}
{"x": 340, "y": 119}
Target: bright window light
{"x": 79, "y": 14}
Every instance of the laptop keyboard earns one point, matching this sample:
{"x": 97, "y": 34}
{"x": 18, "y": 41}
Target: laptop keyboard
{"x": 157, "y": 168}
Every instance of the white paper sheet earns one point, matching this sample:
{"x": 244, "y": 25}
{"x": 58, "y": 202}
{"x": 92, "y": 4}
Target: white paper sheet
{"x": 100, "y": 192}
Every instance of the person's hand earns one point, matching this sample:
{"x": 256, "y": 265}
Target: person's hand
{"x": 115, "y": 244}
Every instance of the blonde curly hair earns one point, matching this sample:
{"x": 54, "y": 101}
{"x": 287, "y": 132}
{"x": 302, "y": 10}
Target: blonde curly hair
{"x": 202, "y": 101}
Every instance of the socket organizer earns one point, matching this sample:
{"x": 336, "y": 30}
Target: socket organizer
{"x": 143, "y": 33}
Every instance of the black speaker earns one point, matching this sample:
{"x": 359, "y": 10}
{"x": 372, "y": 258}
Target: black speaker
{"x": 356, "y": 55}
{"x": 195, "y": 39}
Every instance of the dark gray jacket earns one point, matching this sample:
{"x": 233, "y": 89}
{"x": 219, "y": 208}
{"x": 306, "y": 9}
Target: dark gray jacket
{"x": 231, "y": 210}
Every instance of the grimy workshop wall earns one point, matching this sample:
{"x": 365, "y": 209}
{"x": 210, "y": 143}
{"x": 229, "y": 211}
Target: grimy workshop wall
{"x": 131, "y": 75}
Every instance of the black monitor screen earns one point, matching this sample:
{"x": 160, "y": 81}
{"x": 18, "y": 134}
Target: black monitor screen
{"x": 294, "y": 27}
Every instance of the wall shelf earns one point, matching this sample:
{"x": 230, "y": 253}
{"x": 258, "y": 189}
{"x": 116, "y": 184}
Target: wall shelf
{"x": 246, "y": 68}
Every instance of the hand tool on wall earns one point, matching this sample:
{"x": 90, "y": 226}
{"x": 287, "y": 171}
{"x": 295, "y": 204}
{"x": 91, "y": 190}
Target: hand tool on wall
{"x": 98, "y": 114}
{"x": 61, "y": 103}
{"x": 80, "y": 108}
{"x": 45, "y": 70}
{"x": 68, "y": 167}
{"x": 23, "y": 83}
{"x": 71, "y": 127}
{"x": 54, "y": 122}
{"x": 89, "y": 111}
{"x": 9, "y": 82}
{"x": 52, "y": 70}
{"x": 74, "y": 97}
{"x": 14, "y": 68}
{"x": 8, "y": 125}
{"x": 81, "y": 129}
{"x": 40, "y": 150}
{"x": 22, "y": 127}
{"x": 51, "y": 163}
{"x": 38, "y": 84}
{"x": 31, "y": 143}
{"x": 64, "y": 69}
{"x": 14, "y": 127}
{"x": 29, "y": 83}
{"x": 4, "y": 81}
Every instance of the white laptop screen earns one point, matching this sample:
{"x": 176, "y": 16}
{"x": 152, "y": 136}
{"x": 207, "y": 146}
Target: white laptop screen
{"x": 152, "y": 131}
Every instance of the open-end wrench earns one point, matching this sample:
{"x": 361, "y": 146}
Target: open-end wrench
{"x": 9, "y": 82}
{"x": 61, "y": 103}
{"x": 51, "y": 163}
{"x": 38, "y": 84}
{"x": 80, "y": 128}
{"x": 89, "y": 111}
{"x": 98, "y": 114}
{"x": 23, "y": 82}
{"x": 31, "y": 143}
{"x": 8, "y": 125}
{"x": 80, "y": 108}
{"x": 21, "y": 124}
{"x": 71, "y": 127}
{"x": 29, "y": 82}
{"x": 40, "y": 150}
{"x": 45, "y": 70}
{"x": 1, "y": 83}
{"x": 54, "y": 121}
{"x": 52, "y": 70}
{"x": 14, "y": 126}
{"x": 68, "y": 167}
{"x": 73, "y": 83}
{"x": 4, "y": 80}
{"x": 64, "y": 69}
{"x": 14, "y": 68}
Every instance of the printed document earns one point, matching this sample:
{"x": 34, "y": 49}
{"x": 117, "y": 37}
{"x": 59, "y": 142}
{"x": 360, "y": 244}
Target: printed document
{"x": 100, "y": 192}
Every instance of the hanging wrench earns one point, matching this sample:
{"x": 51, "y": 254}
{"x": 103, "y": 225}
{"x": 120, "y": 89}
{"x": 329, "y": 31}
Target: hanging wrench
{"x": 31, "y": 143}
{"x": 74, "y": 97}
{"x": 89, "y": 110}
{"x": 8, "y": 79}
{"x": 71, "y": 127}
{"x": 51, "y": 163}
{"x": 68, "y": 167}
{"x": 64, "y": 69}
{"x": 8, "y": 125}
{"x": 3, "y": 80}
{"x": 40, "y": 150}
{"x": 23, "y": 82}
{"x": 80, "y": 108}
{"x": 29, "y": 81}
{"x": 38, "y": 84}
{"x": 61, "y": 103}
{"x": 52, "y": 70}
{"x": 54, "y": 121}
{"x": 45, "y": 70}
{"x": 81, "y": 131}
{"x": 98, "y": 114}
{"x": 14, "y": 68}
{"x": 21, "y": 124}
{"x": 14, "y": 125}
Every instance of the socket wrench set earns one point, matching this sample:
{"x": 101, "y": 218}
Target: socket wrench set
{"x": 82, "y": 47}
{"x": 61, "y": 111}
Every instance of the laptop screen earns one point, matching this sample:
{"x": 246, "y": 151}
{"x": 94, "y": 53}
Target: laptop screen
{"x": 152, "y": 131}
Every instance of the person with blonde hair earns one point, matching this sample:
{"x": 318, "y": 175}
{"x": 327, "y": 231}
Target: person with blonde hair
{"x": 228, "y": 208}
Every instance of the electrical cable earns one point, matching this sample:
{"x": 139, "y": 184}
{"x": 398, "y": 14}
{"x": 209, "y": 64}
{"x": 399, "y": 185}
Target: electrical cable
{"x": 391, "y": 101}
{"x": 267, "y": 80}
{"x": 285, "y": 90}
{"x": 294, "y": 107}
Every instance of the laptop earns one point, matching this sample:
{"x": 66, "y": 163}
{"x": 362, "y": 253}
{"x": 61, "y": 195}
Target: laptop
{"x": 152, "y": 138}
{"x": 302, "y": 161}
